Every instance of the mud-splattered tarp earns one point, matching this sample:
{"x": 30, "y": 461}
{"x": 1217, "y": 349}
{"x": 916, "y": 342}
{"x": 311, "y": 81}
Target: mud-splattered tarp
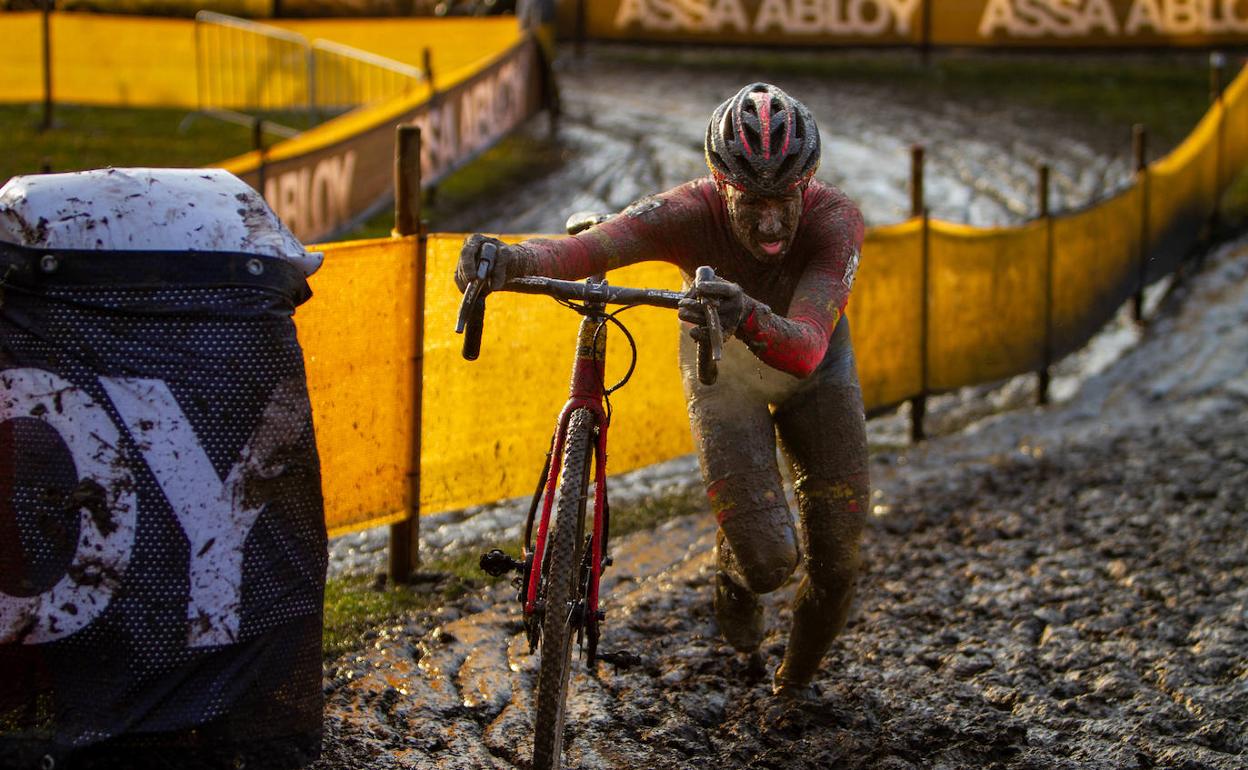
{"x": 162, "y": 540}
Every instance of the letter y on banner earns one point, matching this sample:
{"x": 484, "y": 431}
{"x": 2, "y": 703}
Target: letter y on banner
{"x": 216, "y": 516}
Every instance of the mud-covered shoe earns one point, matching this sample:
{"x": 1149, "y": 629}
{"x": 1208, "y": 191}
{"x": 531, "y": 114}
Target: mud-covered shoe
{"x": 739, "y": 614}
{"x": 794, "y": 692}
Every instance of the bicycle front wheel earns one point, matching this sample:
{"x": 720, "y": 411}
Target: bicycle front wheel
{"x": 564, "y": 547}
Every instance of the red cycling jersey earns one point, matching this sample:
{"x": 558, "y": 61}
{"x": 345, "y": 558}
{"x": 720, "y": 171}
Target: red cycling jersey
{"x": 688, "y": 227}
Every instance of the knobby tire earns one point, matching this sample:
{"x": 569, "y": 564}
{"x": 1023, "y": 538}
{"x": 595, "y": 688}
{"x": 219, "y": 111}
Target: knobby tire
{"x": 562, "y": 576}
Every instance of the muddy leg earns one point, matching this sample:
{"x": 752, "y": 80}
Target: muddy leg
{"x": 756, "y": 546}
{"x": 824, "y": 437}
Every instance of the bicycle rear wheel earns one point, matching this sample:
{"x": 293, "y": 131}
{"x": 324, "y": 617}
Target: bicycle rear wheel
{"x": 562, "y": 574}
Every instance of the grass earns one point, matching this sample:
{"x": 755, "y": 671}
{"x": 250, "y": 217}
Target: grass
{"x": 95, "y": 137}
{"x": 356, "y": 605}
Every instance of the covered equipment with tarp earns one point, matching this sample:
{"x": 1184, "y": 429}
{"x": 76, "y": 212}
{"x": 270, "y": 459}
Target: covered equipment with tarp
{"x": 162, "y": 536}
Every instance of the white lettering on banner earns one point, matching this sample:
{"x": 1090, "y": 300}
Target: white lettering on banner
{"x": 1060, "y": 18}
{"x": 867, "y": 18}
{"x": 455, "y": 128}
{"x": 216, "y": 516}
{"x": 1072, "y": 18}
{"x": 109, "y": 505}
{"x": 314, "y": 201}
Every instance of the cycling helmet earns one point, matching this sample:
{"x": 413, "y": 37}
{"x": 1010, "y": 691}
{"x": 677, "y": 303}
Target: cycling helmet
{"x": 762, "y": 140}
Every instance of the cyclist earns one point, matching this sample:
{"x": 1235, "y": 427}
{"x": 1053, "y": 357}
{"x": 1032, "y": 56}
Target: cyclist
{"x": 785, "y": 248}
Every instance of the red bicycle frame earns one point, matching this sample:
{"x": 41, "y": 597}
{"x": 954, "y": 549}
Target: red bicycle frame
{"x": 587, "y": 392}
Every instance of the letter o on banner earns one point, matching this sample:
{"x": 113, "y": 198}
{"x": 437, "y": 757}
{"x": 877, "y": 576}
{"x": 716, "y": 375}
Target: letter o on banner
{"x": 105, "y": 536}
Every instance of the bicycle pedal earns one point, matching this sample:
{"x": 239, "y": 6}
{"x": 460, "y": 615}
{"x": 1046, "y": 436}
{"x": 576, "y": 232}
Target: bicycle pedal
{"x": 620, "y": 658}
{"x": 496, "y": 563}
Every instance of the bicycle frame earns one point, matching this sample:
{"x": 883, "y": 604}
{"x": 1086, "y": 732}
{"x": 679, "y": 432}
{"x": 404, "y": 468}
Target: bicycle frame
{"x": 586, "y": 392}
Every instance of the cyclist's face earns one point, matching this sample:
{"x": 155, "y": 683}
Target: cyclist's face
{"x": 764, "y": 224}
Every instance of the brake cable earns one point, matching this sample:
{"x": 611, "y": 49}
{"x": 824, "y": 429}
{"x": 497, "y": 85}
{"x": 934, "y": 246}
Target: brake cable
{"x": 632, "y": 344}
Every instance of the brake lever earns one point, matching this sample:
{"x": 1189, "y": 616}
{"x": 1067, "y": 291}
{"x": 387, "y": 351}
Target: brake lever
{"x": 712, "y": 350}
{"x": 477, "y": 287}
{"x": 714, "y": 328}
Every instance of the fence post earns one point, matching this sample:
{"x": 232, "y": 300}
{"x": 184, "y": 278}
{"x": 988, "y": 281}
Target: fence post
{"x": 925, "y": 45}
{"x": 1043, "y": 376}
{"x": 581, "y": 24}
{"x": 46, "y": 24}
{"x": 918, "y": 404}
{"x": 1139, "y": 150}
{"x": 257, "y": 142}
{"x": 405, "y": 535}
{"x": 1217, "y": 70}
{"x": 427, "y": 62}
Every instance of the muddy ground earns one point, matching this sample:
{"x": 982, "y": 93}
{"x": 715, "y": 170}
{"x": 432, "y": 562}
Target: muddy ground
{"x": 1048, "y": 588}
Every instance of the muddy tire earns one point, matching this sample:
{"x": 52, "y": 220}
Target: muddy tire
{"x": 562, "y": 571}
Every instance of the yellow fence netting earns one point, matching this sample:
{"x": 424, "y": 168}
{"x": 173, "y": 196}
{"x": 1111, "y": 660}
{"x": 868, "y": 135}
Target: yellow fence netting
{"x": 986, "y": 303}
{"x": 886, "y": 314}
{"x": 357, "y": 334}
{"x": 1096, "y": 255}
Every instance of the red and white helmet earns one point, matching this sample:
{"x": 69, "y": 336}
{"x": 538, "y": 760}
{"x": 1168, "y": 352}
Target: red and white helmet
{"x": 762, "y": 141}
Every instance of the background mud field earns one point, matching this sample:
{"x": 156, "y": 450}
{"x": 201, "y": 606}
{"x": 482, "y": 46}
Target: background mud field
{"x": 1064, "y": 587}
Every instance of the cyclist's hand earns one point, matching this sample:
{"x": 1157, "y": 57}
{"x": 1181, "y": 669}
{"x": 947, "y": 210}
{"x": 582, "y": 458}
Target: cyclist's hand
{"x": 466, "y": 270}
{"x": 730, "y": 302}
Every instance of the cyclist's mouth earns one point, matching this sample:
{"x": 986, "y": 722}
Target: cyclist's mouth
{"x": 772, "y": 248}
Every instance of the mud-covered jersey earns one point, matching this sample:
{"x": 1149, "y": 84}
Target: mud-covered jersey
{"x": 797, "y": 302}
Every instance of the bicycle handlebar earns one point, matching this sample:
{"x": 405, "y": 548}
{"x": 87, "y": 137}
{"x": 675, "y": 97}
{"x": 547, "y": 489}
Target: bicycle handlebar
{"x": 472, "y": 309}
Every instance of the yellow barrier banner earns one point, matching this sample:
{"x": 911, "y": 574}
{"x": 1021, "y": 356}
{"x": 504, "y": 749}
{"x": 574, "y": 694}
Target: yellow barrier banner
{"x": 1089, "y": 23}
{"x": 792, "y": 22}
{"x": 986, "y": 23}
{"x": 886, "y": 314}
{"x": 134, "y": 61}
{"x": 986, "y": 303}
{"x": 122, "y": 61}
{"x": 327, "y": 177}
{"x": 1096, "y": 263}
{"x": 488, "y": 423}
{"x": 357, "y": 338}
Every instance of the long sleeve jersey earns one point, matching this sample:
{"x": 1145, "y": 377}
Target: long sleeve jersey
{"x": 796, "y": 303}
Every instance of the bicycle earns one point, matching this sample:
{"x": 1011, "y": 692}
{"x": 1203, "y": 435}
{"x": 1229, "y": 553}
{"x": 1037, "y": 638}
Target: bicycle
{"x": 561, "y": 567}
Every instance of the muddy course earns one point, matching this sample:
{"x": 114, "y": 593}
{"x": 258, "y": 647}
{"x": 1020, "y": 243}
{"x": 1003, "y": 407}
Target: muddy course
{"x": 1045, "y": 587}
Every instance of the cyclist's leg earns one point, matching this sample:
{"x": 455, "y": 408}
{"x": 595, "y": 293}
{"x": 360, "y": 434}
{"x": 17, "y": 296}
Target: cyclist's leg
{"x": 823, "y": 434}
{"x": 756, "y": 547}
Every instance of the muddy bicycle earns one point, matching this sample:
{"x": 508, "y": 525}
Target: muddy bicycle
{"x": 561, "y": 565}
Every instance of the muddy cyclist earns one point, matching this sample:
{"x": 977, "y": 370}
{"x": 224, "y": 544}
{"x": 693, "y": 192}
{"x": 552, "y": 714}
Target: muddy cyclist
{"x": 785, "y": 248}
